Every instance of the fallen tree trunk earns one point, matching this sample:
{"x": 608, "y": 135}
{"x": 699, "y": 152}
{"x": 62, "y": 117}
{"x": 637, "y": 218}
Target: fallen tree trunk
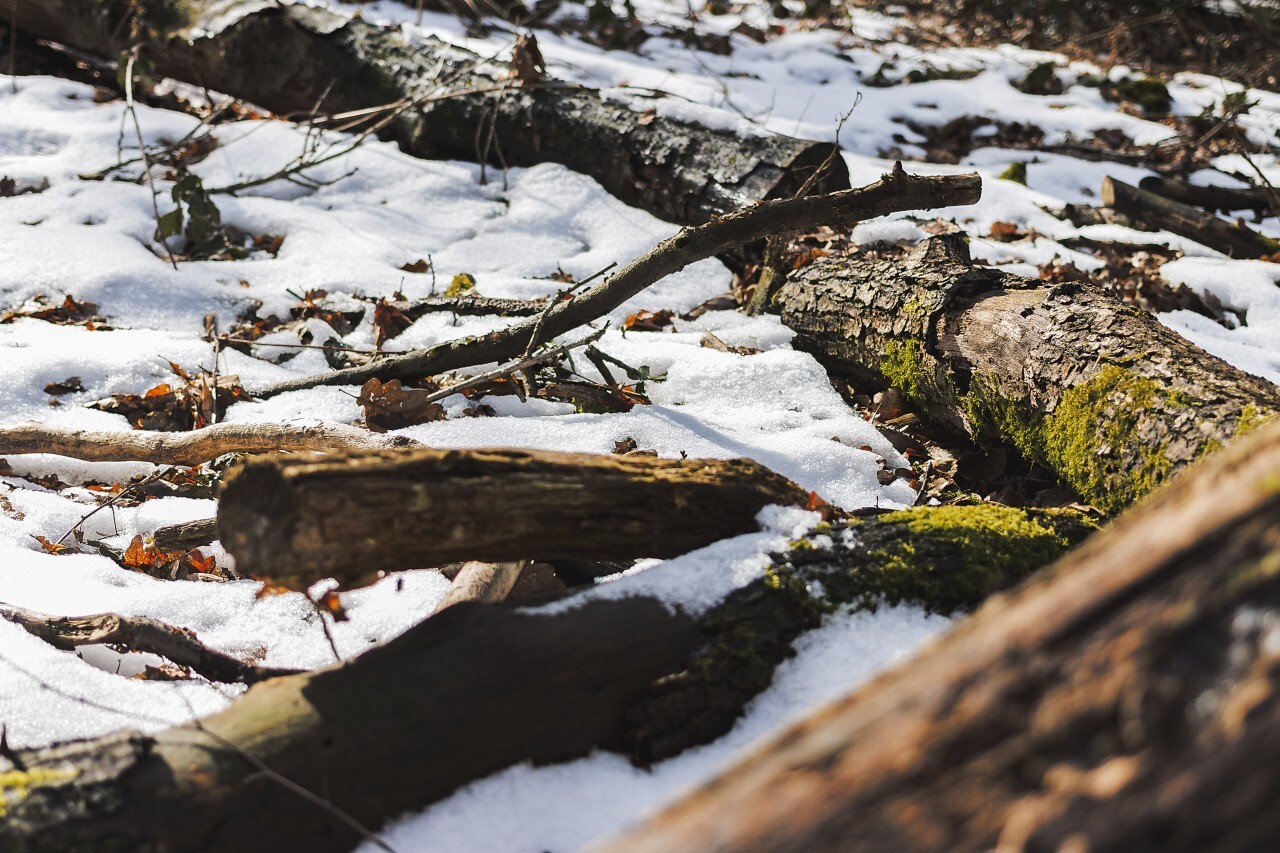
{"x": 1159, "y": 213}
{"x": 190, "y": 448}
{"x": 1127, "y": 699}
{"x": 1102, "y": 394}
{"x": 453, "y": 103}
{"x": 298, "y": 520}
{"x": 311, "y": 761}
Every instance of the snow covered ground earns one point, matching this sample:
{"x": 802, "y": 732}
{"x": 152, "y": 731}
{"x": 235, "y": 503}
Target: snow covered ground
{"x": 92, "y": 240}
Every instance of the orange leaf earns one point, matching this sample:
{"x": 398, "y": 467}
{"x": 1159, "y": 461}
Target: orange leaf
{"x": 159, "y": 391}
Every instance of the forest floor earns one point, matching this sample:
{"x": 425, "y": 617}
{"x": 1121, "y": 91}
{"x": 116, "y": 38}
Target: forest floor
{"x": 94, "y": 321}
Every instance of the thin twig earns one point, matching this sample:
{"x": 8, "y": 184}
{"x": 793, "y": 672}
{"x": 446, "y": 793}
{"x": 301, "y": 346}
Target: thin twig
{"x": 146, "y": 158}
{"x": 521, "y": 365}
{"x": 113, "y": 500}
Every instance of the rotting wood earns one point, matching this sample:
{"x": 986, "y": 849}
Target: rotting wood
{"x": 1160, "y": 213}
{"x": 140, "y": 634}
{"x": 486, "y": 583}
{"x": 895, "y": 191}
{"x": 299, "y": 519}
{"x": 631, "y": 675}
{"x": 1096, "y": 390}
{"x": 454, "y": 103}
{"x": 1128, "y": 698}
{"x": 190, "y": 448}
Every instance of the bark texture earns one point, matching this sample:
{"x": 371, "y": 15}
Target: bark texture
{"x": 298, "y": 520}
{"x": 1127, "y": 699}
{"x": 1069, "y": 375}
{"x": 289, "y": 59}
{"x": 477, "y": 688}
{"x": 1156, "y": 212}
{"x": 189, "y": 448}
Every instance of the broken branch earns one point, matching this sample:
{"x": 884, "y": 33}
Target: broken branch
{"x": 894, "y": 192}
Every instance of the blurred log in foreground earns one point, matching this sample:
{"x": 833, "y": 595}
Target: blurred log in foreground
{"x": 298, "y": 763}
{"x": 1127, "y": 699}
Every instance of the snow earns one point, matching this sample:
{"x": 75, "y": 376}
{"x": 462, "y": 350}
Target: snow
{"x": 376, "y": 209}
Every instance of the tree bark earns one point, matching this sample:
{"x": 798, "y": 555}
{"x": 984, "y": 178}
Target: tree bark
{"x": 297, "y": 520}
{"x": 1128, "y": 699}
{"x": 1097, "y": 391}
{"x": 189, "y": 448}
{"x": 1157, "y": 212}
{"x": 297, "y": 762}
{"x": 1225, "y": 199}
{"x": 289, "y": 59}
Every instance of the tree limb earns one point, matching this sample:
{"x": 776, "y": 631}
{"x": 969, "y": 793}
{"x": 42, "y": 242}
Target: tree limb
{"x": 188, "y": 448}
{"x": 895, "y": 191}
{"x": 140, "y": 634}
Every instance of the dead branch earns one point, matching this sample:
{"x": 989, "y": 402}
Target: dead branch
{"x": 177, "y": 538}
{"x": 140, "y": 634}
{"x": 188, "y": 448}
{"x": 1159, "y": 213}
{"x": 895, "y": 191}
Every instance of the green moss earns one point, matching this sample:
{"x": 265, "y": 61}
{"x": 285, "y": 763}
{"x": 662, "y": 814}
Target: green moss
{"x": 1095, "y": 421}
{"x": 1147, "y": 92}
{"x": 1017, "y": 172}
{"x": 950, "y": 558}
{"x": 1251, "y": 417}
{"x": 16, "y": 785}
{"x": 901, "y": 365}
{"x": 461, "y": 283}
{"x": 1091, "y": 429}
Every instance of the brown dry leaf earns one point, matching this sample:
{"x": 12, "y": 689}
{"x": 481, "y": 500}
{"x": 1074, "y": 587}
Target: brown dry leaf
{"x": 808, "y": 257}
{"x": 389, "y": 405}
{"x": 646, "y": 117}
{"x": 389, "y": 321}
{"x": 70, "y": 385}
{"x": 818, "y": 504}
{"x": 270, "y": 588}
{"x": 648, "y": 321}
{"x": 1005, "y": 232}
{"x": 418, "y": 266}
{"x": 527, "y": 64}
{"x": 8, "y": 509}
{"x": 52, "y": 547}
{"x": 331, "y": 603}
{"x": 161, "y": 390}
{"x": 69, "y": 313}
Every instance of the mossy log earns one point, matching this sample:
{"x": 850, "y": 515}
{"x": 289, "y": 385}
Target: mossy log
{"x": 291, "y": 59}
{"x": 480, "y": 687}
{"x": 1126, "y": 699}
{"x": 1096, "y": 390}
{"x": 297, "y": 519}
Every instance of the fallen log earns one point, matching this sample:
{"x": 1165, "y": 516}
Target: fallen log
{"x": 1100, "y": 393}
{"x": 1159, "y": 213}
{"x": 446, "y": 101}
{"x": 190, "y": 448}
{"x": 313, "y": 761}
{"x": 297, "y": 520}
{"x": 1126, "y": 699}
{"x": 895, "y": 191}
{"x": 1225, "y": 199}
